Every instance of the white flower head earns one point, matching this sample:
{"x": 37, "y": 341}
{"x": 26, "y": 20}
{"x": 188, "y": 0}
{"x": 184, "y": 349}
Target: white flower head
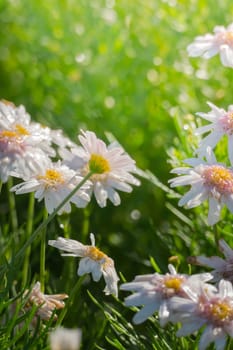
{"x": 65, "y": 339}
{"x": 209, "y": 307}
{"x": 46, "y": 303}
{"x": 110, "y": 165}
{"x": 23, "y": 145}
{"x": 92, "y": 261}
{"x": 53, "y": 183}
{"x": 222, "y": 268}
{"x": 209, "y": 180}
{"x": 153, "y": 292}
{"x": 208, "y": 45}
{"x": 221, "y": 123}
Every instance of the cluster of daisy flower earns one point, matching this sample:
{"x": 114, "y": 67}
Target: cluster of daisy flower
{"x": 52, "y": 166}
{"x": 209, "y": 179}
{"x": 202, "y": 301}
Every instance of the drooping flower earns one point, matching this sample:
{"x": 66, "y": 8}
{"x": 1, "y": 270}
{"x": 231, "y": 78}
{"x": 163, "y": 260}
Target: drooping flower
{"x": 209, "y": 307}
{"x": 92, "y": 261}
{"x": 53, "y": 182}
{"x": 46, "y": 303}
{"x": 154, "y": 291}
{"x": 222, "y": 268}
{"x": 209, "y": 180}
{"x": 209, "y": 45}
{"x": 65, "y": 339}
{"x": 221, "y": 123}
{"x": 110, "y": 165}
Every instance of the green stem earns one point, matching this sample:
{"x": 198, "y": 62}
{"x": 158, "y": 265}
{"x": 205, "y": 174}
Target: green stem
{"x": 12, "y": 206}
{"x": 86, "y": 224}
{"x": 0, "y": 186}
{"x": 216, "y": 234}
{"x": 42, "y": 254}
{"x": 46, "y": 222}
{"x": 29, "y": 227}
{"x": 70, "y": 300}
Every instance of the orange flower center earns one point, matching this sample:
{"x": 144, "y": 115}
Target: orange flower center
{"x": 173, "y": 283}
{"x": 218, "y": 177}
{"x": 52, "y": 177}
{"x": 221, "y": 310}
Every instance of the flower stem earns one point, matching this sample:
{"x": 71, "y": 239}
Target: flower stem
{"x": 45, "y": 223}
{"x": 70, "y": 300}
{"x": 29, "y": 227}
{"x": 12, "y": 207}
{"x": 42, "y": 254}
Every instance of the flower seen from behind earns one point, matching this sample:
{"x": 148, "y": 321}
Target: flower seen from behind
{"x": 208, "y": 45}
{"x": 207, "y": 307}
{"x": 110, "y": 165}
{"x": 92, "y": 261}
{"x": 46, "y": 303}
{"x": 222, "y": 268}
{"x": 153, "y": 292}
{"x": 209, "y": 180}
{"x": 221, "y": 123}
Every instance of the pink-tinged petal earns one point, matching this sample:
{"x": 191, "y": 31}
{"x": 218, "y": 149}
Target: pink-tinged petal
{"x": 230, "y": 148}
{"x": 164, "y": 313}
{"x": 225, "y": 289}
{"x": 193, "y": 197}
{"x": 144, "y": 313}
{"x": 190, "y": 326}
{"x": 214, "y": 261}
{"x": 210, "y": 335}
{"x": 204, "y": 129}
{"x": 225, "y": 249}
{"x": 210, "y": 141}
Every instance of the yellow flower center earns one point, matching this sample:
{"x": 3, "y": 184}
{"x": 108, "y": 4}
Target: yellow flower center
{"x": 219, "y": 177}
{"x": 20, "y": 130}
{"x": 173, "y": 282}
{"x": 221, "y": 310}
{"x": 95, "y": 254}
{"x": 52, "y": 177}
{"x": 98, "y": 164}
{"x": 8, "y": 134}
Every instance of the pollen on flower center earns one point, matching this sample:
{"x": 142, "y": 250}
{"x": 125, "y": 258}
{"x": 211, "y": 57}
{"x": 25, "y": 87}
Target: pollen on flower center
{"x": 225, "y": 37}
{"x": 52, "y": 177}
{"x": 95, "y": 254}
{"x": 21, "y": 130}
{"x": 221, "y": 310}
{"x": 7, "y": 134}
{"x": 98, "y": 164}
{"x": 226, "y": 122}
{"x": 219, "y": 178}
{"x": 173, "y": 282}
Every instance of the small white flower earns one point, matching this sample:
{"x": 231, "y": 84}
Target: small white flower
{"x": 223, "y": 268}
{"x": 65, "y": 339}
{"x": 110, "y": 165}
{"x": 46, "y": 303}
{"x": 54, "y": 182}
{"x": 155, "y": 291}
{"x": 221, "y": 123}
{"x": 93, "y": 261}
{"x": 209, "y": 180}
{"x": 209, "y": 45}
{"x": 207, "y": 307}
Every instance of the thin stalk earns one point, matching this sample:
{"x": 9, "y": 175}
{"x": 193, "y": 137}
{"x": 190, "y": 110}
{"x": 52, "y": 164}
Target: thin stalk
{"x": 86, "y": 224}
{"x": 70, "y": 300}
{"x": 46, "y": 222}
{"x": 12, "y": 206}
{"x": 216, "y": 234}
{"x": 0, "y": 186}
{"x": 42, "y": 254}
{"x": 29, "y": 228}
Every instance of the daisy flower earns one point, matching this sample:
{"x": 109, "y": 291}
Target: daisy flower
{"x": 110, "y": 165}
{"x": 209, "y": 307}
{"x": 46, "y": 303}
{"x": 53, "y": 183}
{"x": 221, "y": 123}
{"x": 208, "y": 45}
{"x": 223, "y": 268}
{"x": 92, "y": 261}
{"x": 23, "y": 146}
{"x": 209, "y": 180}
{"x": 154, "y": 292}
{"x": 65, "y": 339}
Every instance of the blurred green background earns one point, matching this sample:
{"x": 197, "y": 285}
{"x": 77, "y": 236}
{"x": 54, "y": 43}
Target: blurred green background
{"x": 119, "y": 67}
